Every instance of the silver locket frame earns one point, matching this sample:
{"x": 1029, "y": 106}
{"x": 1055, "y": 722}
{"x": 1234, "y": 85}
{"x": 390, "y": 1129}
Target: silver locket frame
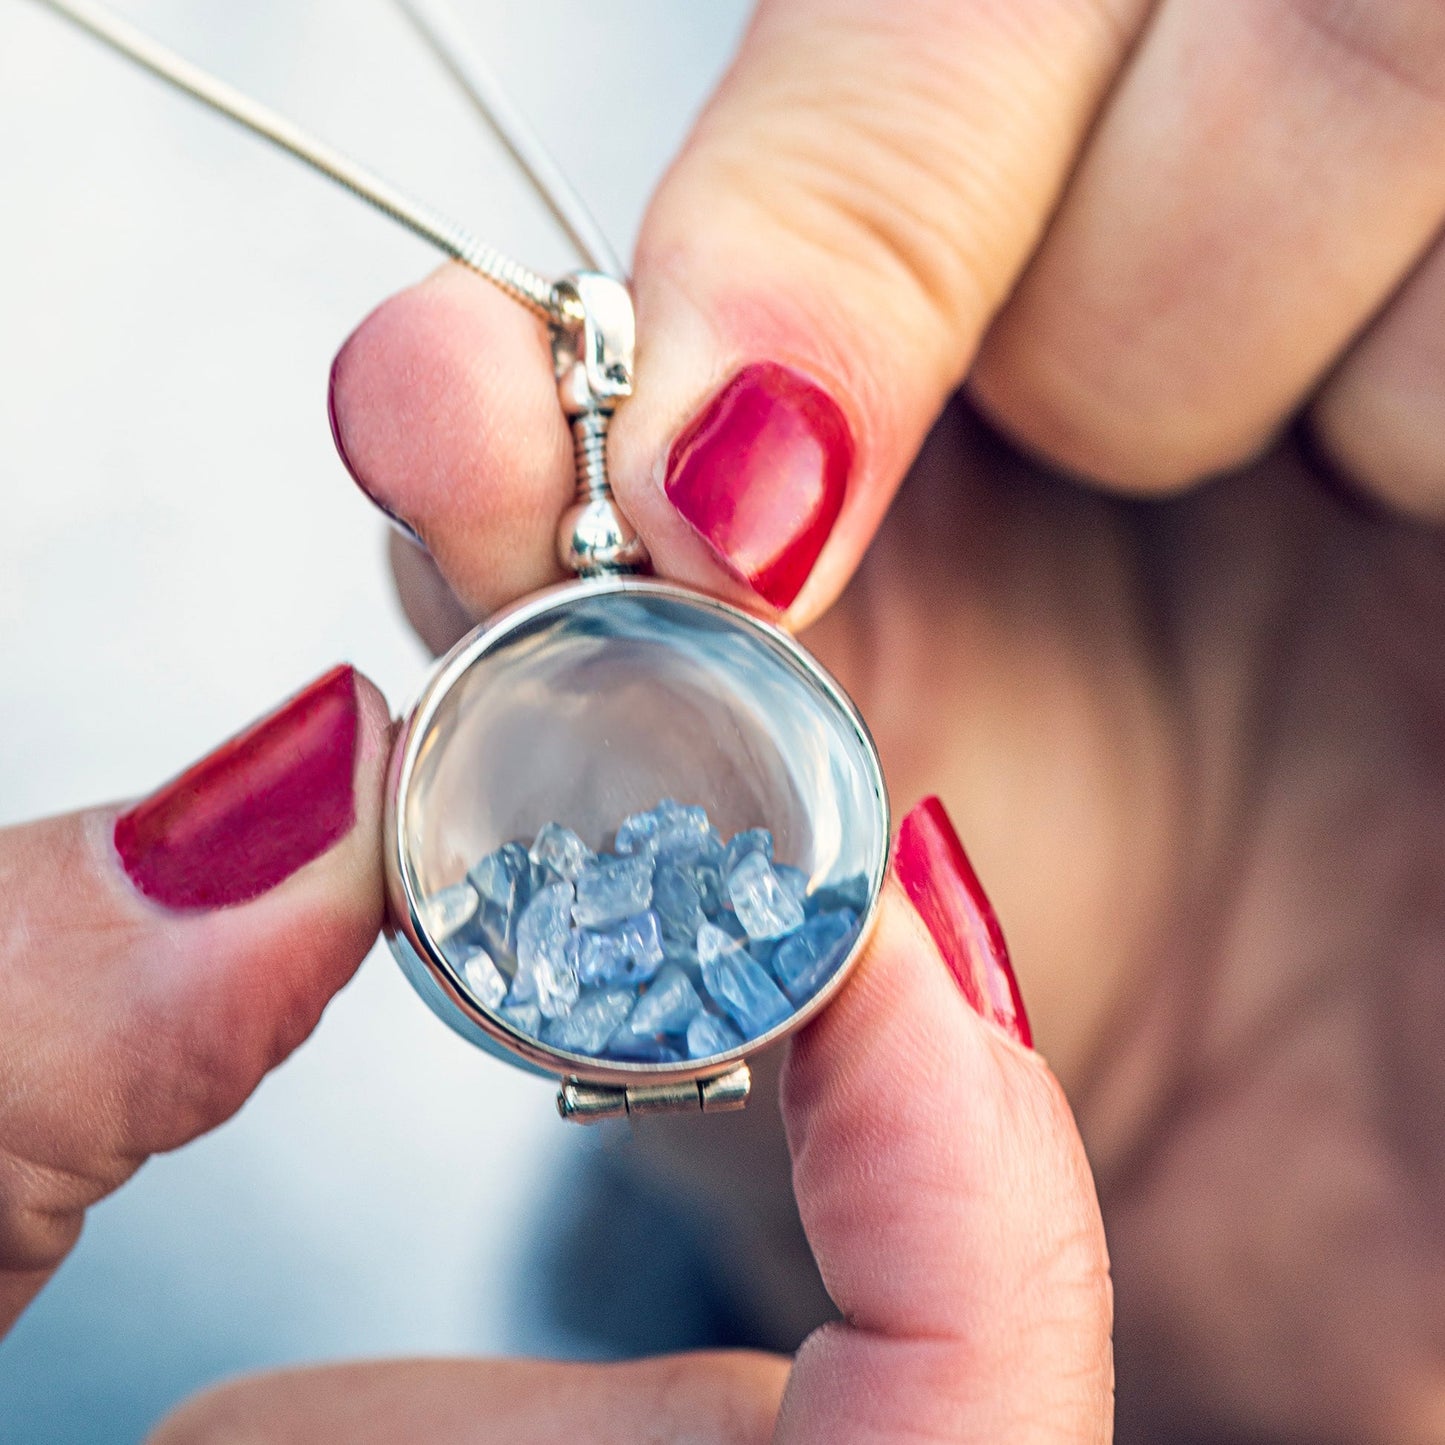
{"x": 592, "y": 1087}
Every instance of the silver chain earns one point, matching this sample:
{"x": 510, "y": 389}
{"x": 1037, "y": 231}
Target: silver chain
{"x": 438, "y": 26}
{"x": 517, "y": 281}
{"x": 589, "y": 313}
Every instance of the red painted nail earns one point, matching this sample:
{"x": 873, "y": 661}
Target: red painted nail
{"x": 940, "y": 882}
{"x": 760, "y": 474}
{"x": 337, "y": 436}
{"x": 258, "y": 808}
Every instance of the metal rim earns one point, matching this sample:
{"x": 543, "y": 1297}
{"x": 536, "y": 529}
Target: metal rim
{"x": 402, "y": 900}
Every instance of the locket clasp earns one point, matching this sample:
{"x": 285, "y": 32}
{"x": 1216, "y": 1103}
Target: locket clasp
{"x": 593, "y": 346}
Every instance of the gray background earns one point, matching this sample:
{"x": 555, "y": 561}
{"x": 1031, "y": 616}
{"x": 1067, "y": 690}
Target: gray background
{"x": 181, "y": 548}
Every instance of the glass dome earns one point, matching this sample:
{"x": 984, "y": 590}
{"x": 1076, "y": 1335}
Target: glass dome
{"x": 638, "y": 830}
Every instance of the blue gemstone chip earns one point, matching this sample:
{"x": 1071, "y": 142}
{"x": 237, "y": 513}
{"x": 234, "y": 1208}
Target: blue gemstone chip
{"x": 675, "y": 944}
{"x": 766, "y": 904}
{"x": 805, "y": 960}
{"x": 610, "y": 889}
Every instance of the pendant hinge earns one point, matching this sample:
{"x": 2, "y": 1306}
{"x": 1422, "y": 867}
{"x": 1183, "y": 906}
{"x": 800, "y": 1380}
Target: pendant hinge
{"x": 587, "y": 1103}
{"x": 594, "y": 342}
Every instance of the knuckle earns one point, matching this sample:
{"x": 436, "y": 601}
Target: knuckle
{"x": 873, "y": 160}
{"x": 192, "y": 1086}
{"x": 883, "y": 205}
{"x": 182, "y": 1066}
{"x": 894, "y": 213}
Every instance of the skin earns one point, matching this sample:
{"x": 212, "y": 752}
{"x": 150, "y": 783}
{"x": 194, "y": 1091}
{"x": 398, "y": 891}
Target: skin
{"x": 1211, "y": 833}
{"x": 1194, "y": 739}
{"x": 180, "y": 1017}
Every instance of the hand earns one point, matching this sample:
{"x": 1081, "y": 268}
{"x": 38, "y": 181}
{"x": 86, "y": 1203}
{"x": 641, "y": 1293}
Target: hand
{"x": 1148, "y": 230}
{"x": 946, "y": 1195}
{"x": 1192, "y": 740}
{"x": 157, "y": 960}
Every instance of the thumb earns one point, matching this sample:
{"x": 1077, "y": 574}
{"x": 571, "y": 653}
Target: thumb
{"x": 944, "y": 1190}
{"x": 157, "y": 961}
{"x": 812, "y": 279}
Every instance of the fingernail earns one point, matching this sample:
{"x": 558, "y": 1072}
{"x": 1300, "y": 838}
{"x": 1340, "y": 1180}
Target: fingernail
{"x": 258, "y": 808}
{"x": 337, "y": 436}
{"x": 760, "y": 475}
{"x": 940, "y": 882}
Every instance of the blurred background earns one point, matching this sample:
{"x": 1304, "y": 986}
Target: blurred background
{"x": 182, "y": 549}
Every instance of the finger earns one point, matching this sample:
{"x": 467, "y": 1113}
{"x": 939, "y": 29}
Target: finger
{"x": 721, "y": 1399}
{"x": 944, "y": 1190}
{"x": 445, "y": 412}
{"x": 811, "y": 281}
{"x": 430, "y": 605}
{"x": 1260, "y": 182}
{"x": 156, "y": 962}
{"x": 1379, "y": 415}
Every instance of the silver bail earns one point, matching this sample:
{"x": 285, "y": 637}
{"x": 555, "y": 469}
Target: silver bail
{"x": 592, "y": 350}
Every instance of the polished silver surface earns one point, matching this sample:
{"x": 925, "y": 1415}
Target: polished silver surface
{"x": 591, "y": 701}
{"x": 448, "y": 38}
{"x": 594, "y": 535}
{"x": 589, "y": 1103}
{"x": 594, "y": 353}
{"x": 593, "y": 357}
{"x": 521, "y": 284}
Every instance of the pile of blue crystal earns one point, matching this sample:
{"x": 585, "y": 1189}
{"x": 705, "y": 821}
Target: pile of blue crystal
{"x": 673, "y": 945}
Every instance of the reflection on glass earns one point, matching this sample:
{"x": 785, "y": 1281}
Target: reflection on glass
{"x": 641, "y": 830}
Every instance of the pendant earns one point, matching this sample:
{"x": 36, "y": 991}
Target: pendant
{"x": 633, "y": 834}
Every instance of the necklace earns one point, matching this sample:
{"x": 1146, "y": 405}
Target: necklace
{"x": 633, "y": 834}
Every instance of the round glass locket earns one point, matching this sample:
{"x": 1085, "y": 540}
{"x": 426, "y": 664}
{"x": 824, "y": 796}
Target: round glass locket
{"x": 633, "y": 834}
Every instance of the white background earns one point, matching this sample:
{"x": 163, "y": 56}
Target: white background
{"x": 180, "y": 549}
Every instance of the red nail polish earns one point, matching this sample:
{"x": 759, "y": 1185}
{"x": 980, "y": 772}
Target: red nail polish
{"x": 940, "y": 882}
{"x": 258, "y": 808}
{"x": 400, "y": 523}
{"x": 760, "y": 474}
